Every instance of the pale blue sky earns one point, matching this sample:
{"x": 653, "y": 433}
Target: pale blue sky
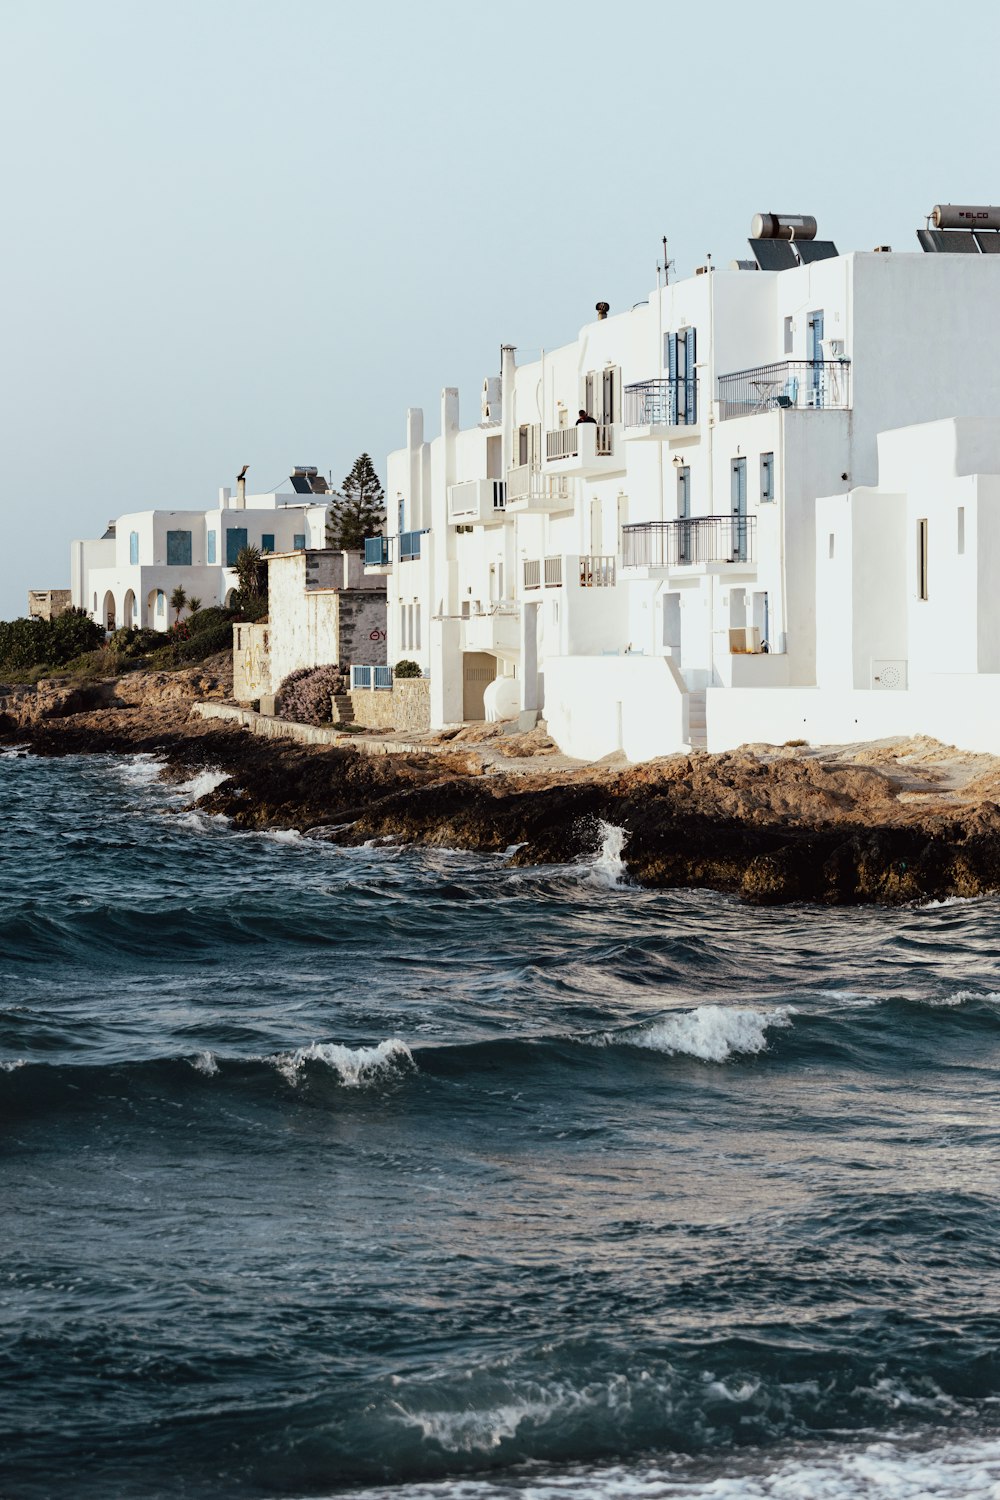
{"x": 244, "y": 231}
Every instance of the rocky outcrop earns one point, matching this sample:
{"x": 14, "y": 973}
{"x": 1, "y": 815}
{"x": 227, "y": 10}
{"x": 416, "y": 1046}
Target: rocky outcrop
{"x": 766, "y": 825}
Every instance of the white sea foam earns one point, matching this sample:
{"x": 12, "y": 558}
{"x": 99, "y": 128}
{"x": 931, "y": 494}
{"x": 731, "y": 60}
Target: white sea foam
{"x": 142, "y": 769}
{"x": 607, "y": 867}
{"x": 712, "y": 1033}
{"x": 284, "y": 835}
{"x": 201, "y": 784}
{"x": 962, "y": 997}
{"x": 13, "y": 1064}
{"x": 890, "y": 1470}
{"x": 355, "y": 1066}
{"x": 205, "y": 1063}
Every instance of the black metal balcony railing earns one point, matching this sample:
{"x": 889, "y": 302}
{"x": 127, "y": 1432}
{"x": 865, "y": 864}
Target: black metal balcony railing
{"x": 788, "y": 384}
{"x": 678, "y": 544}
{"x": 662, "y": 403}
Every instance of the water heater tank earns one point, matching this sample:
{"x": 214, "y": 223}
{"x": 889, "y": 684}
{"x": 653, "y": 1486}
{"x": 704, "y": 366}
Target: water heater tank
{"x": 783, "y": 227}
{"x": 964, "y": 216}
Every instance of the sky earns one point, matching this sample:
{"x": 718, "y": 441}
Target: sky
{"x": 256, "y": 231}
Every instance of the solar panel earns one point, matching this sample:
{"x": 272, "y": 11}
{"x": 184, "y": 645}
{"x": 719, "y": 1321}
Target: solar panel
{"x": 809, "y": 250}
{"x": 774, "y": 255}
{"x": 300, "y": 483}
{"x": 319, "y": 484}
{"x": 988, "y": 241}
{"x": 948, "y": 241}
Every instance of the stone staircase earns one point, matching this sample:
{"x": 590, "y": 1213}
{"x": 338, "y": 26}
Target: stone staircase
{"x": 697, "y": 724}
{"x": 342, "y": 709}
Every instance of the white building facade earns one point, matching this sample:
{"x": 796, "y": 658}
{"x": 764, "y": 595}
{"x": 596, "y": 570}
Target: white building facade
{"x": 734, "y": 528}
{"x": 127, "y": 577}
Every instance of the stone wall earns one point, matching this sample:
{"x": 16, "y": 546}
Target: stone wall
{"x": 318, "y": 621}
{"x": 47, "y": 604}
{"x": 407, "y": 708}
{"x": 251, "y": 662}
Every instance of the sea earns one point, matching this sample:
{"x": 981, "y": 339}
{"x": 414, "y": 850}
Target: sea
{"x": 399, "y": 1172}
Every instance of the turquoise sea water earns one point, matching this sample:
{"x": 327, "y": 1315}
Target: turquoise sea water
{"x": 406, "y": 1173}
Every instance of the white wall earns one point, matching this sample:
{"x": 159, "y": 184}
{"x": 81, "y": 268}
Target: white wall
{"x": 595, "y": 705}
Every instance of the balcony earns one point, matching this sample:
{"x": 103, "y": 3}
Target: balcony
{"x": 597, "y": 572}
{"x": 787, "y": 385}
{"x": 707, "y": 544}
{"x": 477, "y": 502}
{"x": 586, "y": 448}
{"x": 378, "y": 552}
{"x": 661, "y": 409}
{"x": 531, "y": 491}
{"x": 496, "y": 630}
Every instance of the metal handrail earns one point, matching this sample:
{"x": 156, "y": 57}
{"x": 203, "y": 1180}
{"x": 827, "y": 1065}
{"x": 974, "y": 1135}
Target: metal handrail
{"x": 787, "y": 384}
{"x": 679, "y": 544}
{"x": 662, "y": 403}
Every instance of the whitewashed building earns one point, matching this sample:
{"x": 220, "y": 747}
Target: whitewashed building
{"x": 734, "y": 533}
{"x": 128, "y": 575}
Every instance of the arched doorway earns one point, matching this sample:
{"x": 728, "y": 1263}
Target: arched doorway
{"x": 129, "y": 609}
{"x": 478, "y": 670}
{"x": 108, "y": 613}
{"x": 156, "y": 610}
{"x": 231, "y": 599}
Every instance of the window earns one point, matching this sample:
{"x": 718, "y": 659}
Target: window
{"x": 299, "y": 541}
{"x": 236, "y": 540}
{"x": 789, "y": 336}
{"x": 212, "y": 546}
{"x": 161, "y": 602}
{"x": 133, "y": 547}
{"x": 961, "y": 531}
{"x": 416, "y": 627}
{"x": 267, "y": 542}
{"x": 402, "y": 515}
{"x": 679, "y": 356}
{"x": 831, "y": 545}
{"x": 766, "y": 478}
{"x": 922, "y": 560}
{"x": 178, "y": 549}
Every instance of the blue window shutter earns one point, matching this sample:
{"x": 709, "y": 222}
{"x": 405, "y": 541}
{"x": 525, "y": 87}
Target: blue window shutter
{"x": 267, "y": 542}
{"x": 133, "y": 547}
{"x": 178, "y": 549}
{"x": 236, "y": 540}
{"x": 672, "y": 377}
{"x": 690, "y": 377}
{"x": 211, "y": 547}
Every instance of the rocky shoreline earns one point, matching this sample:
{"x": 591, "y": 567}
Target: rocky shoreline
{"x": 871, "y": 824}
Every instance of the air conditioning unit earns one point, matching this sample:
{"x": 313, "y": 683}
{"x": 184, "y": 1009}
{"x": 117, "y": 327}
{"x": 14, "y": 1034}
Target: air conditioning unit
{"x": 833, "y": 348}
{"x": 888, "y": 674}
{"x": 744, "y": 641}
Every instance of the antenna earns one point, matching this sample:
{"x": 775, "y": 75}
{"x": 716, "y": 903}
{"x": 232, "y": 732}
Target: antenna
{"x": 666, "y": 264}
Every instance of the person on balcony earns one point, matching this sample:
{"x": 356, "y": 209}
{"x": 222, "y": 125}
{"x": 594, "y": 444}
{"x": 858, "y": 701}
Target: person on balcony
{"x": 585, "y": 417}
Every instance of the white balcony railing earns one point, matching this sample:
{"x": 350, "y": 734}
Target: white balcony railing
{"x": 532, "y": 573}
{"x": 553, "y": 572}
{"x": 564, "y": 442}
{"x": 597, "y": 572}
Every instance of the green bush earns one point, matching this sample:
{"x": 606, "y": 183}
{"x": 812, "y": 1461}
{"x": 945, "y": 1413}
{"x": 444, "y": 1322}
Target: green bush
{"x": 407, "y": 668}
{"x": 218, "y": 637}
{"x": 131, "y": 642}
{"x": 72, "y": 634}
{"x": 208, "y": 619}
{"x": 23, "y": 644}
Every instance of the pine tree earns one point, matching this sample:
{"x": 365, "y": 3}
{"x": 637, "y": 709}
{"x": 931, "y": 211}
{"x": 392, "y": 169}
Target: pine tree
{"x": 357, "y": 510}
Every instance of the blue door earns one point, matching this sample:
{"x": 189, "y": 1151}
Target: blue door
{"x": 816, "y": 358}
{"x": 402, "y": 515}
{"x": 236, "y": 540}
{"x": 684, "y": 553}
{"x": 739, "y": 499}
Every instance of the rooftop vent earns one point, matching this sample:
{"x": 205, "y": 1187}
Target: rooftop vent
{"x": 603, "y": 308}
{"x": 307, "y": 480}
{"x": 782, "y": 241}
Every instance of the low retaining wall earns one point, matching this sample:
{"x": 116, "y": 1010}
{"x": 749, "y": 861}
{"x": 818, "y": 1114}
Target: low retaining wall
{"x": 406, "y": 708}
{"x": 273, "y": 728}
{"x": 959, "y": 709}
{"x": 596, "y": 705}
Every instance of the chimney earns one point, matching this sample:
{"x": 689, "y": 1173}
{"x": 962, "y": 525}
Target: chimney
{"x": 507, "y": 369}
{"x": 603, "y": 308}
{"x": 241, "y": 488}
